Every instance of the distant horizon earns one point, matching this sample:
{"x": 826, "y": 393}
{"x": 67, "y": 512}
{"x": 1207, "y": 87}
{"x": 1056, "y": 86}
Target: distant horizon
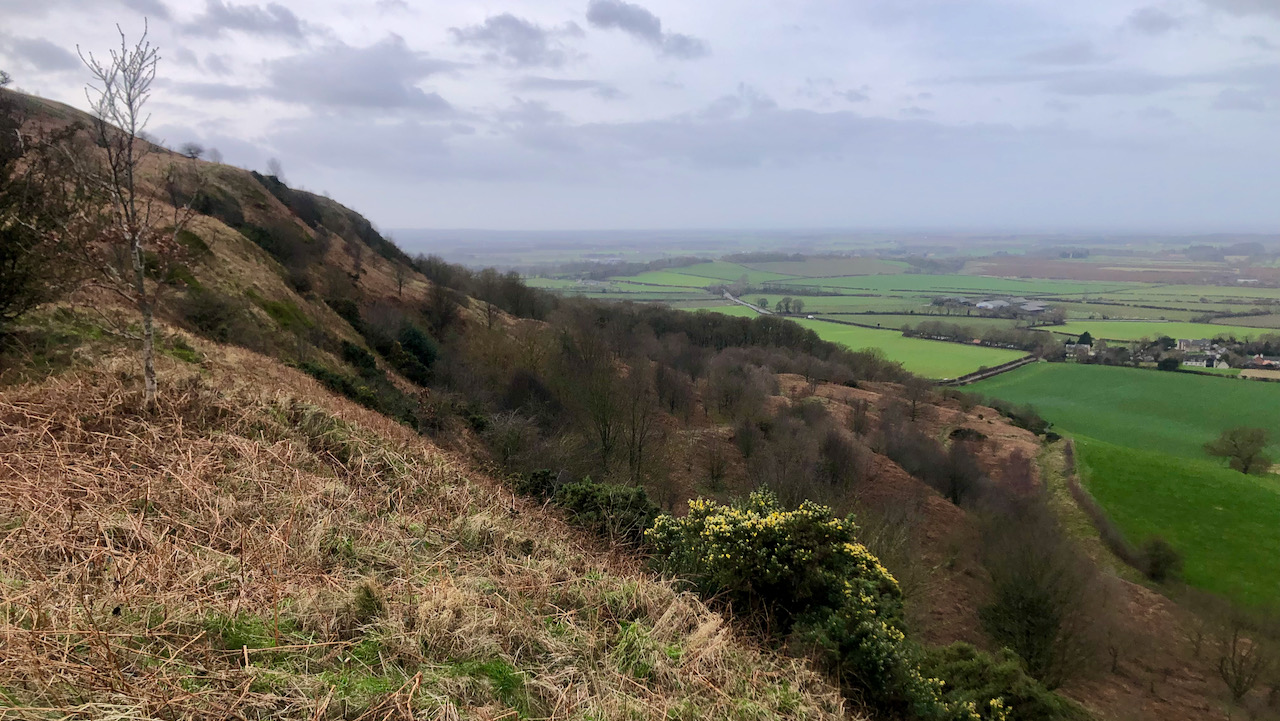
{"x": 1096, "y": 116}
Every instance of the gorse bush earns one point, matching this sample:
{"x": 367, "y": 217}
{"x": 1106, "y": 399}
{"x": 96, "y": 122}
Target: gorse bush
{"x": 972, "y": 676}
{"x": 804, "y": 573}
{"x": 619, "y": 513}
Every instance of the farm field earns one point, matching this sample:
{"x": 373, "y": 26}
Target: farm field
{"x": 1139, "y": 437}
{"x": 897, "y": 321}
{"x": 829, "y": 267}
{"x": 1254, "y": 321}
{"x": 1122, "y": 330}
{"x": 929, "y": 358}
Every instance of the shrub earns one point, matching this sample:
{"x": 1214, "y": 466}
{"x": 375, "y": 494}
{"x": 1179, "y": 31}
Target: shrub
{"x": 620, "y": 513}
{"x": 970, "y": 675}
{"x": 1161, "y": 561}
{"x": 212, "y": 314}
{"x": 348, "y": 311}
{"x": 362, "y": 359}
{"x": 804, "y": 573}
{"x": 541, "y": 484}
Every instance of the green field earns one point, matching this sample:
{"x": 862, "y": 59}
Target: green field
{"x": 1123, "y": 330}
{"x": 1140, "y": 437}
{"x": 929, "y": 358}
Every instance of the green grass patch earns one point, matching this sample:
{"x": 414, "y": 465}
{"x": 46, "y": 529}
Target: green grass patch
{"x": 1173, "y": 413}
{"x": 1222, "y": 522}
{"x": 933, "y": 359}
{"x": 1151, "y": 473}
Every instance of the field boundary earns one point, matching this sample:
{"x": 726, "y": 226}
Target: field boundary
{"x": 1112, "y": 537}
{"x": 981, "y": 375}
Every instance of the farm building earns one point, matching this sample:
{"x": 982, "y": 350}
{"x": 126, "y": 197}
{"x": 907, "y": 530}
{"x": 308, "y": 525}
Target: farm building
{"x": 1261, "y": 362}
{"x": 1199, "y": 360}
{"x": 1201, "y": 344}
{"x": 992, "y": 304}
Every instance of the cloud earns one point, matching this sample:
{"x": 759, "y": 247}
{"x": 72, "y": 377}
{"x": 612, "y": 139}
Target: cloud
{"x": 1153, "y": 21}
{"x": 1082, "y": 53}
{"x": 1247, "y": 7}
{"x": 855, "y": 96}
{"x": 1237, "y": 99}
{"x": 271, "y": 19}
{"x": 518, "y": 42}
{"x": 217, "y": 64}
{"x": 382, "y": 75}
{"x": 150, "y": 8}
{"x": 644, "y": 25}
{"x": 1152, "y": 112}
{"x": 916, "y": 111}
{"x": 536, "y": 83}
{"x": 38, "y": 54}
{"x": 1259, "y": 42}
{"x": 215, "y": 91}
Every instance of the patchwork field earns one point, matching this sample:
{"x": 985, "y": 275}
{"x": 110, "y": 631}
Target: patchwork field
{"x": 1122, "y": 330}
{"x": 929, "y": 358}
{"x": 890, "y": 294}
{"x": 1140, "y": 437}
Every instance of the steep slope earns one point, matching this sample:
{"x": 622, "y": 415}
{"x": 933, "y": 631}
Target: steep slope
{"x": 259, "y": 548}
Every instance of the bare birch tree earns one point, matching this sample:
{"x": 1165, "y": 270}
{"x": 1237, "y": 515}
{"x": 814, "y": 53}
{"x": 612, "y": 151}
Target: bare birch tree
{"x": 140, "y": 237}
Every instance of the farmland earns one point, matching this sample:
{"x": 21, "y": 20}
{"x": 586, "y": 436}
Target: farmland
{"x": 1122, "y": 330}
{"x": 932, "y": 359}
{"x": 1140, "y": 437}
{"x": 1108, "y": 298}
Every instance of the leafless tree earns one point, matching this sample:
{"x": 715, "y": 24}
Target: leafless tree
{"x": 402, "y": 275}
{"x": 192, "y": 150}
{"x": 356, "y": 250}
{"x": 275, "y": 169}
{"x": 215, "y": 155}
{"x": 918, "y": 392}
{"x": 139, "y": 237}
{"x": 640, "y": 418}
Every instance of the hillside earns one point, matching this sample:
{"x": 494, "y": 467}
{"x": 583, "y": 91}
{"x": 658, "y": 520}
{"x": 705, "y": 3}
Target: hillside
{"x": 258, "y": 548}
{"x": 377, "y": 486}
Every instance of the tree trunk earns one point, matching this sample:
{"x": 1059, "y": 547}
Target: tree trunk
{"x": 148, "y": 324}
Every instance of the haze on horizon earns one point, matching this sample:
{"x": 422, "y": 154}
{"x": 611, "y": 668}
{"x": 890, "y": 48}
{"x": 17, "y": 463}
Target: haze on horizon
{"x": 1159, "y": 115}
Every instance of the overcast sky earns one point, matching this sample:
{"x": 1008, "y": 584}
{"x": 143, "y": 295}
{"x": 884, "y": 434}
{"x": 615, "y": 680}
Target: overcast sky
{"x": 558, "y": 114}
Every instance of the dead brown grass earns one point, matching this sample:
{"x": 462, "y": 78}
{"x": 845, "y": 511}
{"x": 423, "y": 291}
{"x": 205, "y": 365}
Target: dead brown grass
{"x": 257, "y": 548}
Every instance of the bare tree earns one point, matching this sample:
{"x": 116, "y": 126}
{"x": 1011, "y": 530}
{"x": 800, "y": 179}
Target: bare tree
{"x": 275, "y": 169}
{"x": 138, "y": 240}
{"x": 215, "y": 155}
{"x": 918, "y": 392}
{"x": 640, "y": 418}
{"x": 402, "y": 275}
{"x": 5, "y": 78}
{"x": 192, "y": 150}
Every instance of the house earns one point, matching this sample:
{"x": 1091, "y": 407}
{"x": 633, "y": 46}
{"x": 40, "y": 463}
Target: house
{"x": 1200, "y": 345}
{"x": 1262, "y": 362}
{"x": 1199, "y": 360}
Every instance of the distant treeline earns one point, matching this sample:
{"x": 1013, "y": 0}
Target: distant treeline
{"x": 1032, "y": 341}
{"x": 601, "y": 271}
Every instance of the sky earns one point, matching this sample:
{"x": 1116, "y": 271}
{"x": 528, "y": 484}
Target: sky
{"x": 1093, "y": 115}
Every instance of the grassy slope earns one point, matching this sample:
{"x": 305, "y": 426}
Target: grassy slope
{"x": 933, "y": 359}
{"x": 1139, "y": 439}
{"x": 258, "y": 548}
